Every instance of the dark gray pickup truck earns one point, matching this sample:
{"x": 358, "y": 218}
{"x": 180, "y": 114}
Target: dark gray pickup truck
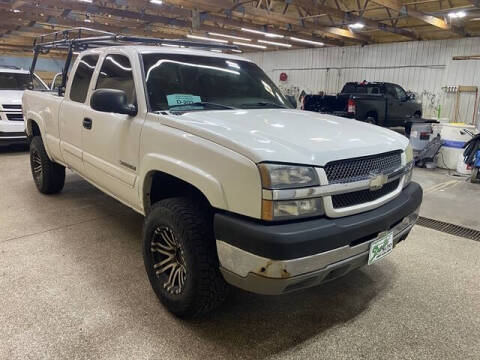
{"x": 380, "y": 103}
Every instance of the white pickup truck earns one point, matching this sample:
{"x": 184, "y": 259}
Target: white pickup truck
{"x": 13, "y": 81}
{"x": 237, "y": 188}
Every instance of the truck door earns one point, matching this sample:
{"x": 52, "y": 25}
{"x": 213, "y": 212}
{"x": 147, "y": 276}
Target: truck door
{"x": 111, "y": 142}
{"x": 70, "y": 116}
{"x": 396, "y": 105}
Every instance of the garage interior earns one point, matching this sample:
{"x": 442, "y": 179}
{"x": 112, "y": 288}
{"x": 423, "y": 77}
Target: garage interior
{"x": 72, "y": 278}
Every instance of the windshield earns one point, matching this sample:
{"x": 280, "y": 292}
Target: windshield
{"x": 18, "y": 81}
{"x": 191, "y": 83}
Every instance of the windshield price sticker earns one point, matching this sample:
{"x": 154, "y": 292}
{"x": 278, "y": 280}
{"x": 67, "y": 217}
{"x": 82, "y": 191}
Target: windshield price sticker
{"x": 182, "y": 99}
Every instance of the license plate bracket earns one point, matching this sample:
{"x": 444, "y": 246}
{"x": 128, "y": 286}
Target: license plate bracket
{"x": 380, "y": 248}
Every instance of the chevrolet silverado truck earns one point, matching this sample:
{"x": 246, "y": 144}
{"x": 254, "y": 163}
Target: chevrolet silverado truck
{"x": 237, "y": 188}
{"x": 13, "y": 81}
{"x": 378, "y": 103}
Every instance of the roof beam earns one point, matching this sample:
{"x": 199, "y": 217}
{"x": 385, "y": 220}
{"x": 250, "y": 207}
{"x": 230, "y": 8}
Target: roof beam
{"x": 99, "y": 8}
{"x": 295, "y": 23}
{"x": 429, "y": 19}
{"x": 350, "y": 17}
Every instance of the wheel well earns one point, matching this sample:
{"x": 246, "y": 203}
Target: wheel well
{"x": 160, "y": 186}
{"x": 34, "y": 129}
{"x": 371, "y": 114}
{"x": 419, "y": 113}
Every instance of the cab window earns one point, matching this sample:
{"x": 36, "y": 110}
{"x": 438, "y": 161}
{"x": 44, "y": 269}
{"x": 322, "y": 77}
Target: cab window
{"x": 83, "y": 75}
{"x": 116, "y": 73}
{"x": 401, "y": 94}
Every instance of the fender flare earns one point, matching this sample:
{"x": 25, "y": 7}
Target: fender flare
{"x": 34, "y": 117}
{"x": 206, "y": 183}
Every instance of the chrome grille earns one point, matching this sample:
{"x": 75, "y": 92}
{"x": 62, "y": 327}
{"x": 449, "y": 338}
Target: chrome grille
{"x": 15, "y": 117}
{"x": 350, "y": 170}
{"x": 363, "y": 196}
{"x": 12, "y": 107}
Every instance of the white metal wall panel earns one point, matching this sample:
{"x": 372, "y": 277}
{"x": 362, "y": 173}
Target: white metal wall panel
{"x": 424, "y": 67}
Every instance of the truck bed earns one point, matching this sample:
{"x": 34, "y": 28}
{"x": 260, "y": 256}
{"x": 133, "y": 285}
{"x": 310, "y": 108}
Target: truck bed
{"x": 44, "y": 107}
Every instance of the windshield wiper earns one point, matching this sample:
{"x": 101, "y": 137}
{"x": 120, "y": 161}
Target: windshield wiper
{"x": 265, "y": 104}
{"x": 202, "y": 103}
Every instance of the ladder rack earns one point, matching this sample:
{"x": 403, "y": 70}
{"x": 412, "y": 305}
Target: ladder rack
{"x": 74, "y": 39}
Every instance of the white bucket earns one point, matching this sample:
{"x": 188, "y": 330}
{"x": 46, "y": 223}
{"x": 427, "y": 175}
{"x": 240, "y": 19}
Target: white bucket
{"x": 452, "y": 143}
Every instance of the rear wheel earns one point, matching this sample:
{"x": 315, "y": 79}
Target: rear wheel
{"x": 475, "y": 176}
{"x": 180, "y": 257}
{"x": 49, "y": 177}
{"x": 371, "y": 119}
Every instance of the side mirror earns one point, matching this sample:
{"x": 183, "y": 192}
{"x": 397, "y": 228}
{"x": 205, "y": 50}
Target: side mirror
{"x": 411, "y": 96}
{"x": 113, "y": 101}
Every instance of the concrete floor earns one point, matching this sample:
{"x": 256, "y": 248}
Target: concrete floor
{"x": 72, "y": 285}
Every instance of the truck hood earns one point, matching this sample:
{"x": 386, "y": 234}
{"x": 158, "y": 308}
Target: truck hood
{"x": 291, "y": 136}
{"x": 11, "y": 97}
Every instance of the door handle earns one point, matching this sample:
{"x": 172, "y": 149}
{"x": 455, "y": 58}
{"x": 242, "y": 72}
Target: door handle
{"x": 87, "y": 123}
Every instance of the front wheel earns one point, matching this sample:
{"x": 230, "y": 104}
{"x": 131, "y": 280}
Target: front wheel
{"x": 49, "y": 177}
{"x": 180, "y": 257}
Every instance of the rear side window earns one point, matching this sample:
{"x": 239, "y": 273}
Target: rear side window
{"x": 116, "y": 73}
{"x": 353, "y": 88}
{"x": 81, "y": 80}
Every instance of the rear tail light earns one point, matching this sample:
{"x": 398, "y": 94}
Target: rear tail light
{"x": 351, "y": 106}
{"x": 425, "y": 135}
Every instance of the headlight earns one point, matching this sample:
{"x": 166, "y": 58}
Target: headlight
{"x": 409, "y": 153}
{"x": 278, "y": 176}
{"x": 409, "y": 166}
{"x": 291, "y": 209}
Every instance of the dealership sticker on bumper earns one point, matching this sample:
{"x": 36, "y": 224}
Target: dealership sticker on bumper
{"x": 380, "y": 248}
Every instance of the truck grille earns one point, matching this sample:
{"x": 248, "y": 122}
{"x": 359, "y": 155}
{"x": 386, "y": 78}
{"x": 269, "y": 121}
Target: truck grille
{"x": 351, "y": 170}
{"x": 12, "y": 107}
{"x": 15, "y": 117}
{"x": 363, "y": 196}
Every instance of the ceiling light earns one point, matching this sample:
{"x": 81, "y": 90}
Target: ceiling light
{"x": 457, "y": 14}
{"x": 356, "y": 26}
{"x": 237, "y": 51}
{"x": 270, "y": 35}
{"x": 317, "y": 43}
{"x": 229, "y": 36}
{"x": 170, "y": 45}
{"x": 249, "y": 45}
{"x": 206, "y": 38}
{"x": 89, "y": 1}
{"x": 156, "y": 2}
{"x": 275, "y": 43}
{"x": 16, "y": 10}
{"x": 215, "y": 50}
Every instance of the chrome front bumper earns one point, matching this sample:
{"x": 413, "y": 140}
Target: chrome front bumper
{"x": 272, "y": 277}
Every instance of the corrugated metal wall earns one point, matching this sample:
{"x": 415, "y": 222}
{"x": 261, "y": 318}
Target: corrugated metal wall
{"x": 423, "y": 67}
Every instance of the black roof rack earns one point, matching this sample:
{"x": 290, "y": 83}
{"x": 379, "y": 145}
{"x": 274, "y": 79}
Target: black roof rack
{"x": 10, "y": 67}
{"x": 82, "y": 38}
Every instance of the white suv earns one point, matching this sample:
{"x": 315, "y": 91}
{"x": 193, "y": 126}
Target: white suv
{"x": 13, "y": 81}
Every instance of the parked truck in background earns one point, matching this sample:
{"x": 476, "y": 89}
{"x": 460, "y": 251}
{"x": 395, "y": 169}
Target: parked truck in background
{"x": 13, "y": 81}
{"x": 378, "y": 103}
{"x": 237, "y": 188}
